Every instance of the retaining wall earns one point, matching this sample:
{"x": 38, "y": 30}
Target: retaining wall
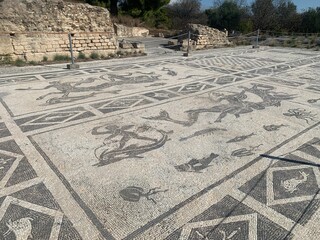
{"x": 36, "y": 46}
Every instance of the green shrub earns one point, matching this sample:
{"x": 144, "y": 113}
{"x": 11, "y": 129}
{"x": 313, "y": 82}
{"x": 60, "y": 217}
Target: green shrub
{"x": 45, "y": 59}
{"x": 33, "y": 63}
{"x": 61, "y": 58}
{"x": 94, "y": 55}
{"x": 19, "y": 62}
{"x": 81, "y": 55}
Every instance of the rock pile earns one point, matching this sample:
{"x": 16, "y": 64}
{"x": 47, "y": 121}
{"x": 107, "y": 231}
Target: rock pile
{"x": 52, "y": 16}
{"x": 204, "y": 37}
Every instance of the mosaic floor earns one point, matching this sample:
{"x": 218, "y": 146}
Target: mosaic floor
{"x": 224, "y": 145}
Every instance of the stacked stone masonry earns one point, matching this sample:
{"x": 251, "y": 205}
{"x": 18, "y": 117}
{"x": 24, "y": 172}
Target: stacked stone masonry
{"x": 36, "y": 46}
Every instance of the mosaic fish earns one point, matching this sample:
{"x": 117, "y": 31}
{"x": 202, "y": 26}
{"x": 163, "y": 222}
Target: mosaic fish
{"x": 169, "y": 71}
{"x": 313, "y": 100}
{"x": 156, "y": 84}
{"x": 241, "y": 138}
{"x": 202, "y": 132}
{"x": 271, "y": 128}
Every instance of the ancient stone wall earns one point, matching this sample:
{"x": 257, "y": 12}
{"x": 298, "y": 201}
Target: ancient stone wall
{"x": 34, "y": 29}
{"x": 36, "y": 46}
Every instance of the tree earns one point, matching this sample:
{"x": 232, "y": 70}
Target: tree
{"x": 137, "y": 8}
{"x": 311, "y": 20}
{"x": 227, "y": 15}
{"x": 112, "y": 5}
{"x": 183, "y": 12}
{"x": 287, "y": 17}
{"x": 264, "y": 14}
{"x": 230, "y": 14}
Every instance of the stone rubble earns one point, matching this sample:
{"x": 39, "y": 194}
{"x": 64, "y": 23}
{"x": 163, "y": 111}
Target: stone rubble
{"x": 203, "y": 37}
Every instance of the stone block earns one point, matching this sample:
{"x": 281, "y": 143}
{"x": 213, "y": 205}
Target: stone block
{"x": 73, "y": 66}
{"x": 5, "y": 45}
{"x": 125, "y": 45}
{"x": 138, "y": 45}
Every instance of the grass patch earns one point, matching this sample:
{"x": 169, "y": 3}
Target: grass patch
{"x": 6, "y": 59}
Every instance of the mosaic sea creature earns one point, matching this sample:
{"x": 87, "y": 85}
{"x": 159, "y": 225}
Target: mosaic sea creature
{"x": 235, "y": 104}
{"x": 196, "y": 165}
{"x": 118, "y": 142}
{"x": 21, "y": 228}
{"x": 134, "y": 194}
{"x": 156, "y": 84}
{"x": 241, "y": 138}
{"x": 242, "y": 152}
{"x": 291, "y": 185}
{"x": 206, "y": 131}
{"x": 89, "y": 87}
{"x": 300, "y": 114}
{"x": 271, "y": 128}
{"x": 169, "y": 71}
{"x": 313, "y": 100}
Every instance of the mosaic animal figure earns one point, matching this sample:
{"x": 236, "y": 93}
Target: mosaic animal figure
{"x": 242, "y": 152}
{"x": 300, "y": 114}
{"x": 117, "y": 147}
{"x": 196, "y": 165}
{"x": 64, "y": 89}
{"x": 21, "y": 228}
{"x": 236, "y": 105}
{"x": 291, "y": 185}
{"x": 225, "y": 236}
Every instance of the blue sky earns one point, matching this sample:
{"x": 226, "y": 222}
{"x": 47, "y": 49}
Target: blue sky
{"x": 301, "y": 4}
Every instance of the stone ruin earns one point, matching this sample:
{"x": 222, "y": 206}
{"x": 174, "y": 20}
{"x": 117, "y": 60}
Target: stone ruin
{"x": 203, "y": 37}
{"x": 34, "y": 29}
